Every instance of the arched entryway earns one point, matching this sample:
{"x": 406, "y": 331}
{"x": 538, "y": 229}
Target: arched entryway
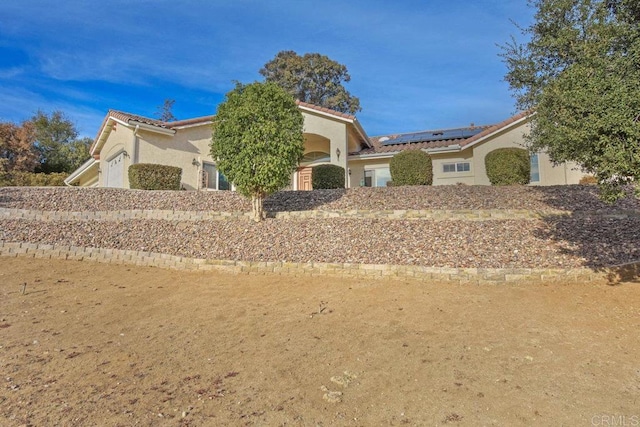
{"x": 316, "y": 152}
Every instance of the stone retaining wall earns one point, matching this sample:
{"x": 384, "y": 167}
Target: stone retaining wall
{"x": 432, "y": 215}
{"x": 373, "y": 271}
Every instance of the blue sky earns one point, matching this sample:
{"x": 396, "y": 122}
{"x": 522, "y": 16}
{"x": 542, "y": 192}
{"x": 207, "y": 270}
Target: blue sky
{"x": 415, "y": 65}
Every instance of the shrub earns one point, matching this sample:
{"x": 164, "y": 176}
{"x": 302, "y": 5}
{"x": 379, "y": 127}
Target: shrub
{"x": 411, "y": 167}
{"x": 5, "y": 177}
{"x": 588, "y": 180}
{"x": 30, "y": 179}
{"x": 147, "y": 176}
{"x": 508, "y": 166}
{"x": 326, "y": 177}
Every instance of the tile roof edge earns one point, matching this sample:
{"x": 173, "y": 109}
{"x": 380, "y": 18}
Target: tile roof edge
{"x": 497, "y": 127}
{"x": 325, "y": 110}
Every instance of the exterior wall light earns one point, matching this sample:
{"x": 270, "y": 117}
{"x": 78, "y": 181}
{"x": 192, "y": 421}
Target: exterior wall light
{"x": 338, "y": 153}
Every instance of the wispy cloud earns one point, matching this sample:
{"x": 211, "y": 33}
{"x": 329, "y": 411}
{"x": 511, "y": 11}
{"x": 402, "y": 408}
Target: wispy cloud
{"x": 412, "y": 63}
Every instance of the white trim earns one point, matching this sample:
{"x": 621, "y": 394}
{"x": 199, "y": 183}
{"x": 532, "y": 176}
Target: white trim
{"x": 372, "y": 156}
{"x": 323, "y": 113}
{"x": 193, "y": 125}
{"x": 106, "y": 130}
{"x": 80, "y": 171}
{"x": 443, "y": 150}
{"x": 151, "y": 128}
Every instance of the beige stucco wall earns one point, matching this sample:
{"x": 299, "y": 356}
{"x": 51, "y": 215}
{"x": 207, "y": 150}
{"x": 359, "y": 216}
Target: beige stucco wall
{"x": 449, "y": 178}
{"x": 181, "y": 149}
{"x": 566, "y": 173}
{"x": 90, "y": 178}
{"x": 333, "y": 130}
{"x": 150, "y": 147}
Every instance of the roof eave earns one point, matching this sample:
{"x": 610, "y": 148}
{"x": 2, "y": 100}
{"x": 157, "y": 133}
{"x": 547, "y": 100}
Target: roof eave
{"x": 75, "y": 175}
{"x": 515, "y": 123}
{"x": 371, "y": 156}
{"x": 107, "y": 127}
{"x": 354, "y": 121}
{"x": 151, "y": 128}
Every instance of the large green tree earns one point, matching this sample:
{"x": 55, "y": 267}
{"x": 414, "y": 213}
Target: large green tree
{"x": 580, "y": 72}
{"x": 257, "y": 140}
{"x": 312, "y": 78}
{"x": 56, "y": 140}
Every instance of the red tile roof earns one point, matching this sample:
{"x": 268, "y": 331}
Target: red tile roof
{"x": 326, "y": 110}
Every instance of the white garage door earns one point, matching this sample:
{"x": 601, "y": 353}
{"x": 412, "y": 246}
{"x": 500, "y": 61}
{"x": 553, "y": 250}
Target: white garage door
{"x": 115, "y": 171}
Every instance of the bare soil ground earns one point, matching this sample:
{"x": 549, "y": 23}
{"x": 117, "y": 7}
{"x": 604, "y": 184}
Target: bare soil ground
{"x": 96, "y": 344}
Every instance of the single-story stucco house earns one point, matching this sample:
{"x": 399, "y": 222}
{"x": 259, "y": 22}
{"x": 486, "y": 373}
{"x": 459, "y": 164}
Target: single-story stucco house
{"x": 330, "y": 137}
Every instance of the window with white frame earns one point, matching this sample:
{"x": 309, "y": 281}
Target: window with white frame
{"x": 376, "y": 177}
{"x": 212, "y": 179}
{"x": 534, "y": 175}
{"x": 456, "y": 167}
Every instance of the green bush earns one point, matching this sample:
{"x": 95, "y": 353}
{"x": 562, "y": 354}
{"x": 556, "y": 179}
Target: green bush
{"x": 325, "y": 177}
{"x": 30, "y": 179}
{"x": 508, "y": 166}
{"x": 147, "y": 176}
{"x": 412, "y": 167}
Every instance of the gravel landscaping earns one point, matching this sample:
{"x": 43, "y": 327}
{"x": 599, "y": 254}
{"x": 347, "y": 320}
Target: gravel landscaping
{"x": 569, "y": 198}
{"x": 556, "y": 241}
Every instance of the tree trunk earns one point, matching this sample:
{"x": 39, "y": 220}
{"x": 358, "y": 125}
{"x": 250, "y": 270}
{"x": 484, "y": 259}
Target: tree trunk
{"x": 257, "y": 207}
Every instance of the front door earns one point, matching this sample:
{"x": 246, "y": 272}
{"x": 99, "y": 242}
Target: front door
{"x": 304, "y": 179}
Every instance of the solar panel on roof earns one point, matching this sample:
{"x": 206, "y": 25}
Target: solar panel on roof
{"x": 431, "y": 136}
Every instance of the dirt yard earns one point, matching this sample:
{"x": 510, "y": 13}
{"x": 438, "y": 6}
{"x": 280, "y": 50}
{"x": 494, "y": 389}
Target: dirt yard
{"x": 95, "y": 344}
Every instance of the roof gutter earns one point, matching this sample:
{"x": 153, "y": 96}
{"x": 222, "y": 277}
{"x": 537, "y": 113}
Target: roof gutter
{"x": 372, "y": 156}
{"x": 151, "y": 128}
{"x": 78, "y": 172}
{"x": 448, "y": 149}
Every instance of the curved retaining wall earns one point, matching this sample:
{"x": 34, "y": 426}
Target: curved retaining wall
{"x": 439, "y": 274}
{"x": 377, "y": 271}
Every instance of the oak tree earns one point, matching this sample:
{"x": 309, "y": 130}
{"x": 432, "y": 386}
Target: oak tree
{"x": 580, "y": 72}
{"x": 312, "y": 78}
